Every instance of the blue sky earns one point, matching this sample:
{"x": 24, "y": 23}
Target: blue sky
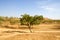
{"x": 47, "y": 8}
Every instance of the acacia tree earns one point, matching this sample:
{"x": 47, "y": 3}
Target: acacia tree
{"x": 30, "y": 20}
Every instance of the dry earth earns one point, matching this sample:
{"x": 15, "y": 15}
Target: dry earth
{"x": 40, "y": 32}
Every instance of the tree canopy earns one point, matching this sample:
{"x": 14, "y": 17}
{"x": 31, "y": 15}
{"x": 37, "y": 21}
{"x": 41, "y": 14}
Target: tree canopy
{"x": 30, "y": 20}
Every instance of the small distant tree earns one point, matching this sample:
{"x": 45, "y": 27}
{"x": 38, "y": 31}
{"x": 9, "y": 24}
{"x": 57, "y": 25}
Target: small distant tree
{"x": 30, "y": 20}
{"x": 1, "y": 19}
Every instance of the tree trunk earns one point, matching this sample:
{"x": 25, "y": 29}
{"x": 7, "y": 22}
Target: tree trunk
{"x": 29, "y": 26}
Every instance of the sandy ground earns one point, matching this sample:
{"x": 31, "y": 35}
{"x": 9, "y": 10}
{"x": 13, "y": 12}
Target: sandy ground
{"x": 40, "y": 32}
{"x": 31, "y": 36}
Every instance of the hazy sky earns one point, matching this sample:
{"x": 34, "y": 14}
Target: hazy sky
{"x": 47, "y": 8}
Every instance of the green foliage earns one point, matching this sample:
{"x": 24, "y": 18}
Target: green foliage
{"x": 37, "y": 19}
{"x": 30, "y": 20}
{"x": 25, "y": 19}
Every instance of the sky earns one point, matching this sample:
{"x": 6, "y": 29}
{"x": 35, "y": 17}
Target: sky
{"x": 47, "y": 8}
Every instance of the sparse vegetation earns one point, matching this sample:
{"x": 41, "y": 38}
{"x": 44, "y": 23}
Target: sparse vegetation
{"x": 13, "y": 26}
{"x": 30, "y": 20}
{"x": 25, "y": 20}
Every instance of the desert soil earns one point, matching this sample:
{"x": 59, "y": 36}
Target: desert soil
{"x": 40, "y": 32}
